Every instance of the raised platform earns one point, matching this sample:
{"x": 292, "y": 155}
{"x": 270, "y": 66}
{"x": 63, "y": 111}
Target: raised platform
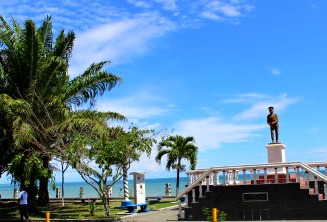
{"x": 259, "y": 191}
{"x": 259, "y": 202}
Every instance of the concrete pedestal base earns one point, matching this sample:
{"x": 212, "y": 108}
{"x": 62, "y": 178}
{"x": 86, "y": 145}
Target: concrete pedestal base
{"x": 276, "y": 154}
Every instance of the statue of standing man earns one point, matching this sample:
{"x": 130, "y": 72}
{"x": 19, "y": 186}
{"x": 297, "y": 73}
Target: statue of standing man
{"x": 272, "y": 120}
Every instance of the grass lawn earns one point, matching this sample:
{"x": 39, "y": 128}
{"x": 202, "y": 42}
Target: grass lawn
{"x": 77, "y": 210}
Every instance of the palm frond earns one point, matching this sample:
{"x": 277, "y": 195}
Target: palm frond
{"x": 7, "y": 35}
{"x": 64, "y": 45}
{"x": 45, "y": 34}
{"x": 31, "y": 54}
{"x": 91, "y": 84}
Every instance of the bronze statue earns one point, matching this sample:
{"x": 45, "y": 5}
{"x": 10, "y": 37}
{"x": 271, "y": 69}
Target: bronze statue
{"x": 272, "y": 120}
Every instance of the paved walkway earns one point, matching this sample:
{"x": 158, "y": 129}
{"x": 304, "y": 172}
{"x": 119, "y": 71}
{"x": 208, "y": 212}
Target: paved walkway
{"x": 163, "y": 215}
{"x": 170, "y": 214}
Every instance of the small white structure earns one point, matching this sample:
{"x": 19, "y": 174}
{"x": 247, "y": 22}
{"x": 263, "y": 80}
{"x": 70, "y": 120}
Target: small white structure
{"x": 139, "y": 187}
{"x": 81, "y": 192}
{"x": 276, "y": 154}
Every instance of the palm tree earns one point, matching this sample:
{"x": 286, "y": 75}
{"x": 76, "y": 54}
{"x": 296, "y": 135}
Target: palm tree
{"x": 33, "y": 68}
{"x": 177, "y": 148}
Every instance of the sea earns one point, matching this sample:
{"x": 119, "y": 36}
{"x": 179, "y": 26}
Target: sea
{"x": 153, "y": 188}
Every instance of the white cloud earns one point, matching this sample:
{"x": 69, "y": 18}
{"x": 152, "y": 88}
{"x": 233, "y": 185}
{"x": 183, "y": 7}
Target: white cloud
{"x": 247, "y": 98}
{"x": 224, "y": 10}
{"x": 230, "y": 10}
{"x": 110, "y": 31}
{"x": 275, "y": 71}
{"x": 168, "y": 4}
{"x": 280, "y": 103}
{"x": 139, "y": 105}
{"x": 210, "y": 15}
{"x": 117, "y": 41}
{"x": 142, "y": 4}
{"x": 212, "y": 132}
{"x": 259, "y": 104}
{"x": 148, "y": 164}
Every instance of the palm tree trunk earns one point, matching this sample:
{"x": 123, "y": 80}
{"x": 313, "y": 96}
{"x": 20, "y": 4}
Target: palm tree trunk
{"x": 177, "y": 182}
{"x": 43, "y": 190}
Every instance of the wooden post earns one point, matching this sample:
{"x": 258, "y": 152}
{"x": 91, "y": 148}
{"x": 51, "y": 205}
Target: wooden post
{"x": 214, "y": 214}
{"x": 47, "y": 216}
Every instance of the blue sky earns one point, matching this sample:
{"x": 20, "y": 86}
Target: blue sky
{"x": 205, "y": 68}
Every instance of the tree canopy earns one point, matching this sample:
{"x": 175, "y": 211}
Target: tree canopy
{"x": 41, "y": 108}
{"x": 177, "y": 148}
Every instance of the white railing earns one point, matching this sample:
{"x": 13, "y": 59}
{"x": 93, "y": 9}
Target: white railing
{"x": 255, "y": 174}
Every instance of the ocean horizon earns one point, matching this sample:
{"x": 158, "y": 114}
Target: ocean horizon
{"x": 153, "y": 187}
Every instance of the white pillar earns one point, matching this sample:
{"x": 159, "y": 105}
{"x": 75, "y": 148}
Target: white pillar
{"x": 193, "y": 195}
{"x": 234, "y": 177}
{"x": 200, "y": 190}
{"x": 244, "y": 177}
{"x": 215, "y": 178}
{"x": 207, "y": 183}
{"x": 265, "y": 175}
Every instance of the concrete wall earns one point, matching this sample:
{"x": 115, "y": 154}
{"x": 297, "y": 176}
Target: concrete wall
{"x": 285, "y": 202}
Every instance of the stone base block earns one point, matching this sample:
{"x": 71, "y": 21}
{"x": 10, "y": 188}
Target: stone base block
{"x": 276, "y": 154}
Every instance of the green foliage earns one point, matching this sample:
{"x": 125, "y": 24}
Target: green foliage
{"x": 222, "y": 216}
{"x": 74, "y": 211}
{"x": 207, "y": 212}
{"x": 39, "y": 101}
{"x": 92, "y": 207}
{"x": 177, "y": 148}
{"x": 28, "y": 168}
{"x": 98, "y": 156}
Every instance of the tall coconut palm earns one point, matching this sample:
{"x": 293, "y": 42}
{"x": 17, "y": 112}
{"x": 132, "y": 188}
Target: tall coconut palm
{"x": 33, "y": 68}
{"x": 177, "y": 148}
